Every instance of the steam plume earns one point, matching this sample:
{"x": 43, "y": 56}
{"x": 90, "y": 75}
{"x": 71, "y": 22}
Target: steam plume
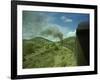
{"x": 54, "y": 32}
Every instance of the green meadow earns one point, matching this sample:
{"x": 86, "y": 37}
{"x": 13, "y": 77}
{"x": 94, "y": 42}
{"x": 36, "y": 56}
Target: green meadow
{"x": 40, "y": 53}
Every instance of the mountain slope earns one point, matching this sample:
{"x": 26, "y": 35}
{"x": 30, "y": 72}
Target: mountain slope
{"x": 69, "y": 43}
{"x": 40, "y": 52}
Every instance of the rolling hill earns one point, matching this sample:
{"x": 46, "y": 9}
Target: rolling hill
{"x": 40, "y": 53}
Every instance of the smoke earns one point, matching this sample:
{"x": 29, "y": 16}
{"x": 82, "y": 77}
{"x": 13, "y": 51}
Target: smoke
{"x": 37, "y": 24}
{"x": 54, "y": 32}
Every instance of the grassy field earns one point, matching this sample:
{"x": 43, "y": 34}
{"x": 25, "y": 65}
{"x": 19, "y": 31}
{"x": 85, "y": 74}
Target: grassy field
{"x": 40, "y": 53}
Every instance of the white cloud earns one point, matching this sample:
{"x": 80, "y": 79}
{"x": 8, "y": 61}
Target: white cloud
{"x": 71, "y": 33}
{"x": 63, "y": 17}
{"x": 66, "y": 19}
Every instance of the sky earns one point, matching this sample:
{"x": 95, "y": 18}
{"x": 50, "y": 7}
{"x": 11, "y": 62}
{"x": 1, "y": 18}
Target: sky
{"x": 35, "y": 23}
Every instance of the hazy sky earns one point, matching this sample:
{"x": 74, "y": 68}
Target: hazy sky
{"x": 36, "y": 22}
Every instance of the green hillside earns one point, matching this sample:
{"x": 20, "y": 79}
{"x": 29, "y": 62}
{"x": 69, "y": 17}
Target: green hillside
{"x": 39, "y": 53}
{"x": 69, "y": 43}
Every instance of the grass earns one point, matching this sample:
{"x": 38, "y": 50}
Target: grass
{"x": 40, "y": 53}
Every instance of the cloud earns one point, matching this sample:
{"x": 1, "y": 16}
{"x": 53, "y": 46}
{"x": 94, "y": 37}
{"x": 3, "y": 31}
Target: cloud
{"x": 33, "y": 23}
{"x": 66, "y": 19}
{"x": 71, "y": 33}
{"x": 63, "y": 17}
